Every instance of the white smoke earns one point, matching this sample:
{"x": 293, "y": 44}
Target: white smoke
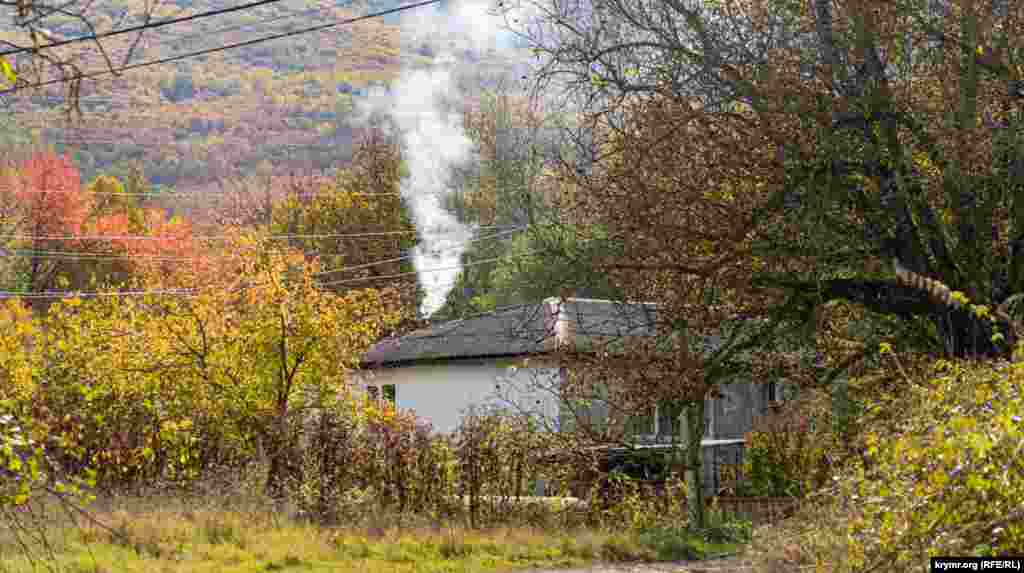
{"x": 434, "y": 142}
{"x": 433, "y": 139}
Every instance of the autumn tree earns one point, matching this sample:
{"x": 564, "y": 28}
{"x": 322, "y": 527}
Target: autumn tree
{"x": 507, "y": 132}
{"x": 673, "y": 244}
{"x": 115, "y": 213}
{"x": 43, "y": 201}
{"x": 250, "y": 200}
{"x": 177, "y": 382}
{"x": 59, "y": 235}
{"x": 892, "y": 128}
{"x": 358, "y": 225}
{"x": 786, "y": 154}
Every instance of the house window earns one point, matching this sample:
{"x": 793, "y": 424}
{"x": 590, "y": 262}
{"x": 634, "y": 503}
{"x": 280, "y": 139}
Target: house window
{"x": 386, "y": 392}
{"x": 661, "y": 422}
{"x": 773, "y": 396}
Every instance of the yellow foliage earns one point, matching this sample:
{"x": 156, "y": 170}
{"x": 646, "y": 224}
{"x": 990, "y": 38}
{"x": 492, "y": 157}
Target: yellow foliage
{"x": 127, "y": 375}
{"x": 947, "y": 479}
{"x": 19, "y": 333}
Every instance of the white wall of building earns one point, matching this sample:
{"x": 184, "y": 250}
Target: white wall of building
{"x": 443, "y": 393}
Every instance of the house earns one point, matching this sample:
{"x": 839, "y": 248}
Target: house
{"x": 504, "y": 359}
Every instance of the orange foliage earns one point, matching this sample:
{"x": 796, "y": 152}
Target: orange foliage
{"x": 48, "y": 192}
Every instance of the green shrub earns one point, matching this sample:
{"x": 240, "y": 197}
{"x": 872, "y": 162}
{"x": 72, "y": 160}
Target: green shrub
{"x": 368, "y": 459}
{"x": 721, "y": 536}
{"x": 722, "y": 528}
{"x": 786, "y": 452}
{"x": 498, "y": 456}
{"x": 944, "y": 477}
{"x": 952, "y": 480}
{"x": 768, "y": 468}
{"x": 622, "y": 547}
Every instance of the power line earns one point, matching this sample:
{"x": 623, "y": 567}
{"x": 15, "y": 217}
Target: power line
{"x": 101, "y": 256}
{"x": 234, "y": 27}
{"x": 53, "y": 295}
{"x": 195, "y": 148}
{"x": 319, "y": 104}
{"x": 204, "y": 52}
{"x": 179, "y": 194}
{"x": 73, "y": 256}
{"x": 289, "y": 14}
{"x": 139, "y": 28}
{"x": 284, "y": 237}
{"x": 205, "y": 193}
{"x": 398, "y": 275}
{"x": 413, "y": 255}
{"x": 199, "y": 147}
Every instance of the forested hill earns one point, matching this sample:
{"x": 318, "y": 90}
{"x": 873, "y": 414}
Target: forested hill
{"x": 200, "y": 120}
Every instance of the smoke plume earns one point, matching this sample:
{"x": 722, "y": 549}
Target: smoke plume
{"x": 423, "y": 105}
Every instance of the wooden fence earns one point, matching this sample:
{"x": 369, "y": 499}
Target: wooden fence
{"x": 723, "y": 479}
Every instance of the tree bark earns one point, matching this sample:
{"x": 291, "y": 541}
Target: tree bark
{"x": 281, "y": 452}
{"x": 692, "y": 431}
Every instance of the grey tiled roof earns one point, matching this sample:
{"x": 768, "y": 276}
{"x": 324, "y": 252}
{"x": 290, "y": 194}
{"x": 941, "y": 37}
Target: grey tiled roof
{"x": 523, "y": 329}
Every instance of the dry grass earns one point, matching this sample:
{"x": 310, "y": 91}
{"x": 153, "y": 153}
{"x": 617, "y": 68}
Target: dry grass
{"x": 154, "y": 535}
{"x": 812, "y": 540}
{"x": 227, "y": 527}
{"x": 181, "y": 535}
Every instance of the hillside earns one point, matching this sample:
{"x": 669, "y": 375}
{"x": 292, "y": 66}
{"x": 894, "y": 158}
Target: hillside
{"x": 191, "y": 123}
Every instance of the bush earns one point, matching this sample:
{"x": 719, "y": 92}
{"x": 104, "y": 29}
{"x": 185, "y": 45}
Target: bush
{"x": 719, "y": 527}
{"x": 499, "y": 456}
{"x": 131, "y": 436}
{"x": 22, "y": 463}
{"x": 622, "y": 502}
{"x": 364, "y": 458}
{"x": 32, "y": 485}
{"x": 952, "y": 481}
{"x": 330, "y": 468}
{"x": 786, "y": 452}
{"x": 945, "y": 478}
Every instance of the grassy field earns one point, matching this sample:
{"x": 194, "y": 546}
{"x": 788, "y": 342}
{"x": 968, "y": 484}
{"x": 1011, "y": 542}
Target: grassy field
{"x": 219, "y": 540}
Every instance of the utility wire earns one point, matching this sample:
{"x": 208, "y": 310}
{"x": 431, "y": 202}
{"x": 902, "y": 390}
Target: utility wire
{"x": 53, "y": 295}
{"x": 225, "y": 29}
{"x": 411, "y": 273}
{"x": 289, "y": 14}
{"x": 207, "y": 51}
{"x": 171, "y": 193}
{"x": 46, "y": 295}
{"x": 284, "y": 237}
{"x": 101, "y": 256}
{"x": 139, "y": 28}
{"x": 179, "y": 194}
{"x": 411, "y": 254}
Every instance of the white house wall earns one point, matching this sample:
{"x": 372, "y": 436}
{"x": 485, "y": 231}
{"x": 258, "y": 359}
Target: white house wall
{"x": 443, "y": 393}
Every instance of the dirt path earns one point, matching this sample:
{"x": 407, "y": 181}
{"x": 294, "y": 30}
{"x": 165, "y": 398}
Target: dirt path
{"x": 723, "y": 565}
